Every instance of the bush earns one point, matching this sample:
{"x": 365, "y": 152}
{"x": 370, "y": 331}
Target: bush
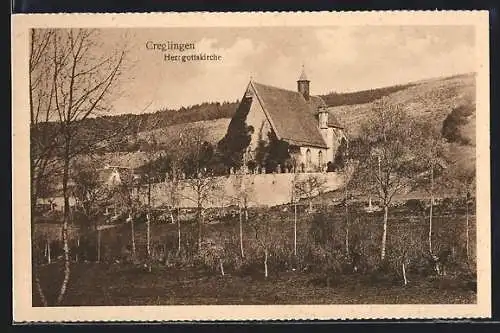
{"x": 454, "y": 121}
{"x": 321, "y": 244}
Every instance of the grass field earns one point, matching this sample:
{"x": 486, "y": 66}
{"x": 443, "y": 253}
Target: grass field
{"x": 94, "y": 284}
{"x": 117, "y": 281}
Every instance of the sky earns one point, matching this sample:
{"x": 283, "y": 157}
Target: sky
{"x": 339, "y": 59}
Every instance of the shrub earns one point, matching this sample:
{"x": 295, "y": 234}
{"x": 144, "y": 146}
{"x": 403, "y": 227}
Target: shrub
{"x": 454, "y": 121}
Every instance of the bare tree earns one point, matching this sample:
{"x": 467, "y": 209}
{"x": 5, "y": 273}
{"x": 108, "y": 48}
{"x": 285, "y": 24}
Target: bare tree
{"x": 243, "y": 186}
{"x": 405, "y": 250}
{"x": 174, "y": 192}
{"x": 43, "y": 137}
{"x": 44, "y": 133}
{"x": 295, "y": 197}
{"x": 309, "y": 187}
{"x": 347, "y": 175}
{"x": 387, "y": 140}
{"x": 213, "y": 252}
{"x": 262, "y": 226}
{"x": 90, "y": 192}
{"x": 462, "y": 181}
{"x": 204, "y": 187}
{"x": 430, "y": 153}
{"x": 127, "y": 193}
{"x": 177, "y": 155}
{"x": 200, "y": 181}
{"x": 79, "y": 83}
{"x": 151, "y": 150}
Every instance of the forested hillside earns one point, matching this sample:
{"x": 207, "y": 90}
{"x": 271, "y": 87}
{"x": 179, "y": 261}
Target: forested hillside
{"x": 431, "y": 100}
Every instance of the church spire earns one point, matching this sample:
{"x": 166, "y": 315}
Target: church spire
{"x": 303, "y": 84}
{"x": 303, "y": 76}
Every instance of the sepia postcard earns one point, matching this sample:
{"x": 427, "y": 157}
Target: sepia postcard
{"x": 251, "y": 166}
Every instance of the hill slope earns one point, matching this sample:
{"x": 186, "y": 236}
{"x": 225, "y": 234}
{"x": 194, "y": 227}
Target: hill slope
{"x": 432, "y": 101}
{"x": 429, "y": 100}
{"x": 215, "y": 129}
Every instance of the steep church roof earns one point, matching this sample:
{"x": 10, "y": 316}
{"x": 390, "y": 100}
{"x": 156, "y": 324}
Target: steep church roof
{"x": 292, "y": 117}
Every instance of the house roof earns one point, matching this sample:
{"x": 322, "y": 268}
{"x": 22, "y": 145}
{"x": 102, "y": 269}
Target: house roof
{"x": 292, "y": 117}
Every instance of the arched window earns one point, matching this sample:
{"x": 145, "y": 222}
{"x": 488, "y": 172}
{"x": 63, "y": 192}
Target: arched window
{"x": 308, "y": 158}
{"x": 320, "y": 159}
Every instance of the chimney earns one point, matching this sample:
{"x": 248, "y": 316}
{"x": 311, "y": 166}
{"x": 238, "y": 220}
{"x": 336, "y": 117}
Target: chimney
{"x": 303, "y": 84}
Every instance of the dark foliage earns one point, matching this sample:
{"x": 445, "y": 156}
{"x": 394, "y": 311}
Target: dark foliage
{"x": 198, "y": 160}
{"x": 261, "y": 152}
{"x": 452, "y": 123}
{"x": 322, "y": 230}
{"x": 157, "y": 168}
{"x": 278, "y": 154}
{"x": 233, "y": 145}
{"x": 273, "y": 153}
{"x": 340, "y": 156}
{"x": 360, "y": 97}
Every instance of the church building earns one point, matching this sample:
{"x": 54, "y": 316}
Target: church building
{"x": 296, "y": 117}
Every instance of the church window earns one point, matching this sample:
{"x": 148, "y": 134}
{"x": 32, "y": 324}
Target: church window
{"x": 308, "y": 158}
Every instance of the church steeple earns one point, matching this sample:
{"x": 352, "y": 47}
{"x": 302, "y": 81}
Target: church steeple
{"x": 303, "y": 84}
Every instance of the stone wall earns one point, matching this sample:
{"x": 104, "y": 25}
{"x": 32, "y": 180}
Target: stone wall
{"x": 260, "y": 189}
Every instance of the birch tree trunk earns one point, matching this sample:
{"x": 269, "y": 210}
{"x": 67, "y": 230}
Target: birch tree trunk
{"x": 265, "y": 264}
{"x": 148, "y": 235}
{"x": 347, "y": 239}
{"x": 178, "y": 233}
{"x": 404, "y": 273}
{"x": 132, "y": 234}
{"x": 77, "y": 248}
{"x": 39, "y": 288}
{"x": 98, "y": 245}
{"x": 200, "y": 217}
{"x": 295, "y": 229}
{"x": 221, "y": 264}
{"x": 430, "y": 210}
{"x": 467, "y": 228}
{"x": 346, "y": 222}
{"x": 384, "y": 232}
{"x": 241, "y": 235}
{"x": 49, "y": 259}
{"x": 67, "y": 269}
{"x": 148, "y": 217}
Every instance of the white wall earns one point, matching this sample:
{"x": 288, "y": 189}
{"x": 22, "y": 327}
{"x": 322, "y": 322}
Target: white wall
{"x": 263, "y": 189}
{"x": 314, "y": 156}
{"x": 258, "y": 120}
{"x": 328, "y": 136}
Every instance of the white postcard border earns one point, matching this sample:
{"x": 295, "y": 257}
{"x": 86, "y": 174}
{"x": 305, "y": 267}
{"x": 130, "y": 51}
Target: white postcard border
{"x": 22, "y": 286}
